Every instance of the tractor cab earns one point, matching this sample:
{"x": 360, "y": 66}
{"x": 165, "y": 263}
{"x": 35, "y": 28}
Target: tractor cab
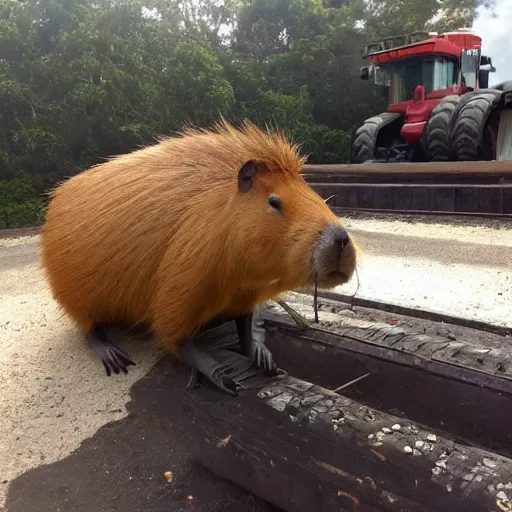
{"x": 449, "y": 63}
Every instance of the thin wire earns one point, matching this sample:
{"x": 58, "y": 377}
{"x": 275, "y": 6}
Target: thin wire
{"x": 315, "y": 299}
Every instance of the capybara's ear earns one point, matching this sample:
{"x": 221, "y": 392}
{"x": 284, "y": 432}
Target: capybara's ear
{"x": 246, "y": 176}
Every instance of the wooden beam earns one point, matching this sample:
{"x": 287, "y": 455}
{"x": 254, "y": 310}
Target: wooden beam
{"x": 305, "y": 448}
{"x": 416, "y": 168}
{"x": 410, "y": 372}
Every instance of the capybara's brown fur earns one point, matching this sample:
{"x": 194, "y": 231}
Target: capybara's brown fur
{"x": 163, "y": 237}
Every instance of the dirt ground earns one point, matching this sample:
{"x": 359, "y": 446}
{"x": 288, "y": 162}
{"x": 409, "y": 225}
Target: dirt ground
{"x": 55, "y": 395}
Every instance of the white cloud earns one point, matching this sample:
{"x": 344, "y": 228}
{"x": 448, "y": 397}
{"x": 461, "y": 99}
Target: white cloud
{"x": 495, "y": 29}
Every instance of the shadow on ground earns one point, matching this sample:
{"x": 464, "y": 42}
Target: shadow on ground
{"x": 121, "y": 468}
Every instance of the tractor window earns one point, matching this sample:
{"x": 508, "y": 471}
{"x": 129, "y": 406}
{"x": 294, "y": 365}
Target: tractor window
{"x": 433, "y": 73}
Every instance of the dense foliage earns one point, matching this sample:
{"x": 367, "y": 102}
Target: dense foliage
{"x": 84, "y": 79}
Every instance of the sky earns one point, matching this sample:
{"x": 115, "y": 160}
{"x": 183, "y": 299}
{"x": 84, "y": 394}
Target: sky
{"x": 496, "y": 34}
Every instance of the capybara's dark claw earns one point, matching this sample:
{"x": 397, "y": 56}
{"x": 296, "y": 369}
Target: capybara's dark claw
{"x": 229, "y": 386}
{"x": 251, "y": 332}
{"x": 195, "y": 380}
{"x": 113, "y": 358}
{"x": 263, "y": 358}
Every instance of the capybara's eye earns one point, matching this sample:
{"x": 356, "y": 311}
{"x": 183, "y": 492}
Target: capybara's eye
{"x": 275, "y": 202}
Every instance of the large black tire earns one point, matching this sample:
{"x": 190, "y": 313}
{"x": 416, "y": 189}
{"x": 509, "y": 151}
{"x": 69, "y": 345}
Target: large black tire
{"x": 363, "y": 141}
{"x": 436, "y": 143}
{"x": 469, "y": 136}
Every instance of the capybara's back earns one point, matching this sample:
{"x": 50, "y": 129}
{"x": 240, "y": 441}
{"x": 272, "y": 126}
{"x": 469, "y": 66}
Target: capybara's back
{"x": 102, "y": 241}
{"x": 108, "y": 228}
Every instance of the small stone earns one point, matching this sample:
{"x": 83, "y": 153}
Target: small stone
{"x": 478, "y": 478}
{"x": 416, "y": 453}
{"x": 500, "y": 486}
{"x": 386, "y": 430}
{"x": 431, "y": 437}
{"x": 371, "y": 436}
{"x": 468, "y": 478}
{"x": 489, "y": 463}
{"x": 508, "y": 486}
{"x": 502, "y": 496}
{"x": 168, "y": 475}
{"x": 396, "y": 427}
{"x": 335, "y": 427}
{"x": 408, "y": 449}
{"x": 449, "y": 487}
{"x": 436, "y": 471}
{"x": 428, "y": 447}
{"x": 491, "y": 488}
{"x": 441, "y": 464}
{"x": 419, "y": 444}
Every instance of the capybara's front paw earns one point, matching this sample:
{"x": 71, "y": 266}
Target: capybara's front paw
{"x": 113, "y": 358}
{"x": 262, "y": 358}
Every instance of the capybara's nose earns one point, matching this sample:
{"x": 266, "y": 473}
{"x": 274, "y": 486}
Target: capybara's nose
{"x": 335, "y": 237}
{"x": 339, "y": 236}
{"x": 329, "y": 250}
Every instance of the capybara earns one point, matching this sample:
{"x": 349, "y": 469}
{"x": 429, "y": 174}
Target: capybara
{"x": 210, "y": 223}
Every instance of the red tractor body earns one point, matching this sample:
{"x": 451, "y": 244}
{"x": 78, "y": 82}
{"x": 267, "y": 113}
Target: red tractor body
{"x": 426, "y": 75}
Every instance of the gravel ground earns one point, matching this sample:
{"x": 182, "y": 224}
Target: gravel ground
{"x": 454, "y": 269}
{"x": 54, "y": 394}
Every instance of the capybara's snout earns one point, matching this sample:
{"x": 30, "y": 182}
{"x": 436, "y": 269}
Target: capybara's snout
{"x": 334, "y": 258}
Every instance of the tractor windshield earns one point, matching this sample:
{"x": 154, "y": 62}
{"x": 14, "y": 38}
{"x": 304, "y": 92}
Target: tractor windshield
{"x": 404, "y": 76}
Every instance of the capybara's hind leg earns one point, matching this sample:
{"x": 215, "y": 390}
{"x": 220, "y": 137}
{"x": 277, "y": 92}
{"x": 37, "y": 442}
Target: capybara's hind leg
{"x": 251, "y": 332}
{"x": 113, "y": 358}
{"x": 202, "y": 363}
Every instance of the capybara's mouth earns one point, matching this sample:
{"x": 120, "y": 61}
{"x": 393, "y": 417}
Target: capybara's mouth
{"x": 332, "y": 279}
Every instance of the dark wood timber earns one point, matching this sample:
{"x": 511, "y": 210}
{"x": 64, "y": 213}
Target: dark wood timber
{"x": 449, "y": 384}
{"x": 304, "y": 448}
{"x": 426, "y": 314}
{"x": 417, "y": 168}
{"x": 470, "y": 188}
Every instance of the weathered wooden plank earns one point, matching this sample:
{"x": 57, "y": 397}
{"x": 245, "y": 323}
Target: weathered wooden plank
{"x": 415, "y": 374}
{"x": 447, "y": 179}
{"x": 416, "y": 168}
{"x": 304, "y": 448}
{"x": 415, "y": 197}
{"x": 479, "y": 364}
{"x": 426, "y": 314}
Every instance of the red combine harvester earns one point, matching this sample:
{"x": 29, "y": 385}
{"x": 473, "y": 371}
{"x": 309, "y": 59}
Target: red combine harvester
{"x": 440, "y": 105}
